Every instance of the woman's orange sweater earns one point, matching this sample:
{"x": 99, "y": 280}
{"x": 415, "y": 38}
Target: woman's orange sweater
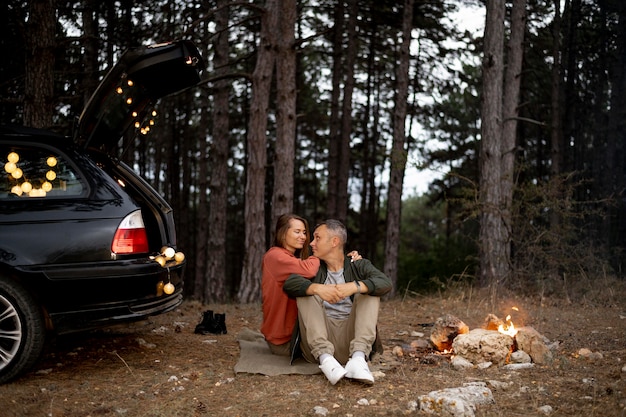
{"x": 279, "y": 311}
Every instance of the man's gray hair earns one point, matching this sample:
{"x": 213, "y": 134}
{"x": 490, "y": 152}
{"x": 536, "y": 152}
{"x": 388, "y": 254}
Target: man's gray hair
{"x": 336, "y": 228}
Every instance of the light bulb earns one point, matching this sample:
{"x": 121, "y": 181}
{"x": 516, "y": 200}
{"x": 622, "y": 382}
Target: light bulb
{"x": 169, "y": 288}
{"x": 13, "y": 157}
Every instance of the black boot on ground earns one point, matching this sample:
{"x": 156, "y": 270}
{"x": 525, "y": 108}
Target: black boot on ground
{"x": 220, "y": 323}
{"x": 207, "y": 324}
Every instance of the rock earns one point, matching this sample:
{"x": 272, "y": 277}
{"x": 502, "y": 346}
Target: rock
{"x": 398, "y": 351}
{"x": 484, "y": 365}
{"x": 519, "y": 356}
{"x": 531, "y": 342}
{"x": 588, "y": 354}
{"x": 320, "y": 411}
{"x": 499, "y": 385}
{"x": 459, "y": 362}
{"x": 482, "y": 345}
{"x": 456, "y": 402}
{"x": 420, "y": 344}
{"x": 517, "y": 366}
{"x": 445, "y": 330}
{"x": 545, "y": 410}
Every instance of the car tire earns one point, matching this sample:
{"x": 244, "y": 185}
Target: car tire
{"x": 22, "y": 330}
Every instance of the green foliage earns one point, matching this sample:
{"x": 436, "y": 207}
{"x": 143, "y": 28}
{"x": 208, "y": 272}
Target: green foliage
{"x": 434, "y": 248}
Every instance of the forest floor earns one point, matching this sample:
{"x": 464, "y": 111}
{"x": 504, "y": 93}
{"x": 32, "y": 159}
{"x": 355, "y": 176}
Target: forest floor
{"x": 159, "y": 367}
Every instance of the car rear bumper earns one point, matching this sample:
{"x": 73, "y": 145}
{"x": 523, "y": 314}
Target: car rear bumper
{"x": 90, "y": 295}
{"x": 102, "y": 315}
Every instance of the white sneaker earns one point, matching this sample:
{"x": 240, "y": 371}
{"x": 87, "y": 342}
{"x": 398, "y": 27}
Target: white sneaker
{"x": 357, "y": 369}
{"x": 333, "y": 370}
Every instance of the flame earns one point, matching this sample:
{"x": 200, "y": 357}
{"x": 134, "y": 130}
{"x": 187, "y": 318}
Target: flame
{"x": 508, "y": 327}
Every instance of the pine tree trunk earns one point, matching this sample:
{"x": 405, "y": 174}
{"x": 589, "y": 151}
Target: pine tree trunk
{"x": 398, "y": 151}
{"x": 282, "y": 199}
{"x": 492, "y": 236}
{"x": 39, "y": 84}
{"x": 510, "y": 111}
{"x": 215, "y": 273}
{"x": 254, "y": 212}
{"x": 335, "y": 115}
{"x": 343, "y": 169}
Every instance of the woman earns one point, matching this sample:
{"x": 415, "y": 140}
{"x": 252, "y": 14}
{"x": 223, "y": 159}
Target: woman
{"x": 289, "y": 255}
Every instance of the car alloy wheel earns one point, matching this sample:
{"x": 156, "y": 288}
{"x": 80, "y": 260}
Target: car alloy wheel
{"x": 22, "y": 331}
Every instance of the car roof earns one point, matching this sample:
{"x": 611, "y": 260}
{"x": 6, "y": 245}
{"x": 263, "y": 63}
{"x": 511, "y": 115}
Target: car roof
{"x": 33, "y": 134}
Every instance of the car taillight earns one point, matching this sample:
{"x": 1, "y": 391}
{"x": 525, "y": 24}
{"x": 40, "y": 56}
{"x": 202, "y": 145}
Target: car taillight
{"x": 130, "y": 236}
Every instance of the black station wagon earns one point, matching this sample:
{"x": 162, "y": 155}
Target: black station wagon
{"x": 84, "y": 241}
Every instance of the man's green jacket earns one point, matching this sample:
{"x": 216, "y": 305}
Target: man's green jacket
{"x": 378, "y": 284}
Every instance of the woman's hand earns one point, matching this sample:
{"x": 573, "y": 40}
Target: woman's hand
{"x": 354, "y": 256}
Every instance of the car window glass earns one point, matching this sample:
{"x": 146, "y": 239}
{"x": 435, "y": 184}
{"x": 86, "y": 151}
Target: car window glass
{"x": 31, "y": 172}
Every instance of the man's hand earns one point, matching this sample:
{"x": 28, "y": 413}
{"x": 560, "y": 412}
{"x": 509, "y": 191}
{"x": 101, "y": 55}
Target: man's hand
{"x": 329, "y": 293}
{"x": 336, "y": 292}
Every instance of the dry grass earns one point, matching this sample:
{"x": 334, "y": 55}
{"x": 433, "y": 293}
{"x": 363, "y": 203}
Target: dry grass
{"x": 160, "y": 367}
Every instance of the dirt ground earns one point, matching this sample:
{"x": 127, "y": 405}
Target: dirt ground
{"x": 159, "y": 367}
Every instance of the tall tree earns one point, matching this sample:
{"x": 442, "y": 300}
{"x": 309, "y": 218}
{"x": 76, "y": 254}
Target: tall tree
{"x": 339, "y": 162}
{"x": 284, "y": 152}
{"x": 254, "y": 212}
{"x": 510, "y": 112}
{"x": 40, "y": 58}
{"x": 398, "y": 149}
{"x": 494, "y": 264}
{"x": 215, "y": 273}
{"x": 334, "y": 145}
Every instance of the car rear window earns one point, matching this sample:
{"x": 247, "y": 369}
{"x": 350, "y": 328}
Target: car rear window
{"x": 34, "y": 172}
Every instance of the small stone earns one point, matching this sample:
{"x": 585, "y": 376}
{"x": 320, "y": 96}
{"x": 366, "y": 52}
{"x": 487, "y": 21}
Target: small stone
{"x": 519, "y": 356}
{"x": 363, "y": 401}
{"x": 420, "y": 344}
{"x": 398, "y": 351}
{"x": 545, "y": 409}
{"x": 517, "y": 366}
{"x": 624, "y": 368}
{"x": 417, "y": 334}
{"x": 484, "y": 365}
{"x": 321, "y": 411}
{"x": 459, "y": 362}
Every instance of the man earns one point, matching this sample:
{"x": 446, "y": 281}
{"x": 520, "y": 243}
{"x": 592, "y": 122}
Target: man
{"x": 338, "y": 309}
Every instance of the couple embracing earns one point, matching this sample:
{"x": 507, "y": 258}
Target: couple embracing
{"x": 325, "y": 305}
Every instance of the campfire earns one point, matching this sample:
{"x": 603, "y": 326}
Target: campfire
{"x": 497, "y": 342}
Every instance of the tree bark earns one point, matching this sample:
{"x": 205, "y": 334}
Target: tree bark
{"x": 215, "y": 273}
{"x": 282, "y": 198}
{"x": 510, "y": 111}
{"x": 335, "y": 114}
{"x": 343, "y": 169}
{"x": 90, "y": 57}
{"x": 40, "y": 58}
{"x": 254, "y": 212}
{"x": 398, "y": 151}
{"x": 492, "y": 234}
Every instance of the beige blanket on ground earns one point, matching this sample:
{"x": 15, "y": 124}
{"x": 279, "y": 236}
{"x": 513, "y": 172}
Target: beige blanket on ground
{"x": 256, "y": 358}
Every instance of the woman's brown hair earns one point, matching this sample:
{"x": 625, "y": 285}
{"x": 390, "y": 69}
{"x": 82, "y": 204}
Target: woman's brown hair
{"x": 282, "y": 225}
